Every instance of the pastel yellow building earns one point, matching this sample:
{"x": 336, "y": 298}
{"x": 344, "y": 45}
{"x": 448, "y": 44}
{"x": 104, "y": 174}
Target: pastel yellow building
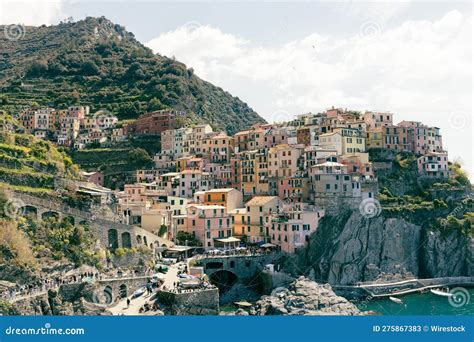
{"x": 252, "y": 222}
{"x": 374, "y": 139}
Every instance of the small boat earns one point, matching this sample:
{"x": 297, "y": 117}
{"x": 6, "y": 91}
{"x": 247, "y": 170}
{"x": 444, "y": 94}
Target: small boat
{"x": 139, "y": 292}
{"x": 396, "y": 300}
{"x": 441, "y": 293}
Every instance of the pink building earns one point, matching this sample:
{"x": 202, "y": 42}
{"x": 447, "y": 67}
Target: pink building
{"x": 375, "y": 120}
{"x": 423, "y": 139}
{"x": 293, "y": 225}
{"x": 218, "y": 148}
{"x": 284, "y": 160}
{"x": 186, "y": 183}
{"x": 95, "y": 177}
{"x": 434, "y": 164}
{"x": 78, "y": 112}
{"x": 207, "y": 223}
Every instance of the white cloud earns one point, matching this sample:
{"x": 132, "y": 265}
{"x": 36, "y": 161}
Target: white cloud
{"x": 31, "y": 12}
{"x": 419, "y": 70}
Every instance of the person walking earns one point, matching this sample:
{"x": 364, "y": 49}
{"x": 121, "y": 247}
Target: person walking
{"x": 128, "y": 303}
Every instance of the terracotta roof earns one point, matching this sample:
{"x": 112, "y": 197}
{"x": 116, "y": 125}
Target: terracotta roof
{"x": 261, "y": 200}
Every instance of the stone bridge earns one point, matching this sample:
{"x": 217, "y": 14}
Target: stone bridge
{"x": 106, "y": 291}
{"x": 113, "y": 289}
{"x": 224, "y": 271}
{"x": 111, "y": 234}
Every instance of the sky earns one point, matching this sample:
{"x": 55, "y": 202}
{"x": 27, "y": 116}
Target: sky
{"x": 412, "y": 58}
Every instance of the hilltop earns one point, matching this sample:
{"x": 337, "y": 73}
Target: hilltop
{"x": 98, "y": 63}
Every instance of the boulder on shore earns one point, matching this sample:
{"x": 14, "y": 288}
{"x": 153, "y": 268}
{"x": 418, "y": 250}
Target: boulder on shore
{"x": 305, "y": 297}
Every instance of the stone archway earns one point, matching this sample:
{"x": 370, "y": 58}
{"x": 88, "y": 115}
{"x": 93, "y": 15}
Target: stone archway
{"x": 123, "y": 291}
{"x": 126, "y": 240}
{"x": 30, "y": 211}
{"x": 47, "y": 215}
{"x": 139, "y": 239}
{"x": 69, "y": 219}
{"x": 108, "y": 294}
{"x": 113, "y": 239}
{"x": 223, "y": 279}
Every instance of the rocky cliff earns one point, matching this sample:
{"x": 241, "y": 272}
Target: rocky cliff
{"x": 68, "y": 300}
{"x": 304, "y": 297}
{"x": 350, "y": 248}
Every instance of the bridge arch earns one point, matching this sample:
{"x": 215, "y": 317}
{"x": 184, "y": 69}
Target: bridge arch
{"x": 50, "y": 214}
{"x": 69, "y": 219}
{"x": 113, "y": 238}
{"x": 108, "y": 294}
{"x": 223, "y": 279}
{"x": 123, "y": 291}
{"x": 126, "y": 240}
{"x": 30, "y": 211}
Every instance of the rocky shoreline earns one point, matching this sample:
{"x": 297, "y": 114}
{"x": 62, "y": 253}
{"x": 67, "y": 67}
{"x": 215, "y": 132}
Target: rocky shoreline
{"x": 302, "y": 297}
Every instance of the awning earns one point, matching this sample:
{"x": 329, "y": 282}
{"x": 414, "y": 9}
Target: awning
{"x": 179, "y": 249}
{"x": 267, "y": 245}
{"x": 228, "y": 240}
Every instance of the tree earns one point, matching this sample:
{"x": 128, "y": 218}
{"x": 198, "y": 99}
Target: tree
{"x": 185, "y": 238}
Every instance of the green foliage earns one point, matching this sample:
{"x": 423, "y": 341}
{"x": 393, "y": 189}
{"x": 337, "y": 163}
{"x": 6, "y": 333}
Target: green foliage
{"x": 463, "y": 225}
{"x": 7, "y": 308}
{"x": 459, "y": 174}
{"x": 163, "y": 230}
{"x": 184, "y": 238}
{"x": 97, "y": 63}
{"x": 26, "y": 161}
{"x": 63, "y": 239}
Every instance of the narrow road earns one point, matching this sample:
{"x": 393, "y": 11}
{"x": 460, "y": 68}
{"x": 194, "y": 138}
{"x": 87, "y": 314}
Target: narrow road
{"x": 135, "y": 305}
{"x": 170, "y": 278}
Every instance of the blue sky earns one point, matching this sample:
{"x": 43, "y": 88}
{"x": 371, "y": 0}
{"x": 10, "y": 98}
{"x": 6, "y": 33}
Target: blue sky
{"x": 413, "y": 58}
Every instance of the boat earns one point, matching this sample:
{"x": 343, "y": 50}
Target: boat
{"x": 396, "y": 300}
{"x": 139, "y": 292}
{"x": 441, "y": 293}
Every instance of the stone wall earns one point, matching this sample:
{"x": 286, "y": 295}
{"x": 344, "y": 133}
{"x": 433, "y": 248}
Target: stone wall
{"x": 100, "y": 226}
{"x": 244, "y": 266}
{"x": 202, "y": 302}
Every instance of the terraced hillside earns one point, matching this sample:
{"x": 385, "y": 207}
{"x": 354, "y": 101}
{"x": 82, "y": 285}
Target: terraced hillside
{"x": 29, "y": 163}
{"x": 97, "y": 63}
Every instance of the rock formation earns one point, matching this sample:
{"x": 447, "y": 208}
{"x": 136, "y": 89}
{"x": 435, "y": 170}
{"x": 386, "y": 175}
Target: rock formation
{"x": 350, "y": 248}
{"x": 305, "y": 297}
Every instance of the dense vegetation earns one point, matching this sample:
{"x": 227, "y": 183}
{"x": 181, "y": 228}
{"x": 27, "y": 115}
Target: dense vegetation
{"x": 443, "y": 204}
{"x": 28, "y": 245}
{"x": 28, "y": 162}
{"x": 97, "y": 63}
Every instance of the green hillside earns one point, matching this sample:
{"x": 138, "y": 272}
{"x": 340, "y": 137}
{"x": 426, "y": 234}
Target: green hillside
{"x": 30, "y": 163}
{"x": 97, "y": 63}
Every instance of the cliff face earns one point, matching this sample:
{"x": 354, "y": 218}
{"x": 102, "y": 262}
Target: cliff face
{"x": 68, "y": 300}
{"x": 350, "y": 248}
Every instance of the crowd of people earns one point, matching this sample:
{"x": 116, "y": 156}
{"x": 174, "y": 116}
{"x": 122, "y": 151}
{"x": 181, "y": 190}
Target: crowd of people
{"x": 45, "y": 284}
{"x": 239, "y": 251}
{"x": 42, "y": 285}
